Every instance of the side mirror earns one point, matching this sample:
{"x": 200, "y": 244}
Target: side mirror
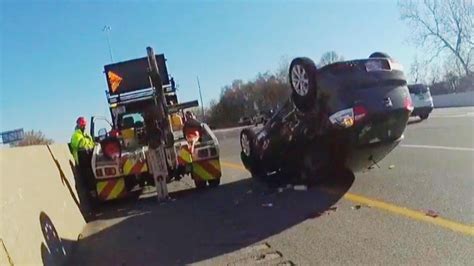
{"x": 102, "y": 133}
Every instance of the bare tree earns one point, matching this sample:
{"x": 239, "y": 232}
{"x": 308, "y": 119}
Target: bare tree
{"x": 34, "y": 138}
{"x": 282, "y": 70}
{"x": 442, "y": 27}
{"x": 417, "y": 71}
{"x": 329, "y": 58}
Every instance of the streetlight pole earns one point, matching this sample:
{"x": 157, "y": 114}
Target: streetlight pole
{"x": 107, "y": 29}
{"x": 200, "y": 96}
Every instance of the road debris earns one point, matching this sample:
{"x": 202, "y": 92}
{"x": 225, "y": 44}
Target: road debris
{"x": 267, "y": 205}
{"x": 432, "y": 213}
{"x": 391, "y": 166}
{"x": 319, "y": 213}
{"x": 268, "y": 256}
{"x": 356, "y": 207}
{"x": 249, "y": 191}
{"x": 300, "y": 187}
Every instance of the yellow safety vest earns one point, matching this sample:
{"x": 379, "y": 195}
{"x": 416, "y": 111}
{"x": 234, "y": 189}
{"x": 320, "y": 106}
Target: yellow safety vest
{"x": 80, "y": 140}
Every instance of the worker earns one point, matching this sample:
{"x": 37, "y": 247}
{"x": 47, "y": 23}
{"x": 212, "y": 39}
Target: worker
{"x": 191, "y": 130}
{"x": 80, "y": 140}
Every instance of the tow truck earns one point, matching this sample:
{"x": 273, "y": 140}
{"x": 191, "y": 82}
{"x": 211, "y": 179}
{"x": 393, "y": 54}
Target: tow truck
{"x": 149, "y": 142}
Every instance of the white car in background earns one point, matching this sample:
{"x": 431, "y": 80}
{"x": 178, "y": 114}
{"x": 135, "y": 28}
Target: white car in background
{"x": 422, "y": 100}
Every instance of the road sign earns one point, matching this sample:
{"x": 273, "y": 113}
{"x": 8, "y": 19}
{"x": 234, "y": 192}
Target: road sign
{"x": 133, "y": 75}
{"x": 12, "y": 135}
{"x": 114, "y": 80}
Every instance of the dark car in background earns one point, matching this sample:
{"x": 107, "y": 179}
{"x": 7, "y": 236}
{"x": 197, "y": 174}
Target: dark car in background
{"x": 345, "y": 115}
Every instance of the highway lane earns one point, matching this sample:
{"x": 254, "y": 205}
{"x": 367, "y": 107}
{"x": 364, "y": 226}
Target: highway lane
{"x": 235, "y": 225}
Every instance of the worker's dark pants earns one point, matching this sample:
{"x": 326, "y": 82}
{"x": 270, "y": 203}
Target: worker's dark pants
{"x": 85, "y": 169}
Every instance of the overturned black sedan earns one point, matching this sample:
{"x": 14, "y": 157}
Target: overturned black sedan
{"x": 346, "y": 115}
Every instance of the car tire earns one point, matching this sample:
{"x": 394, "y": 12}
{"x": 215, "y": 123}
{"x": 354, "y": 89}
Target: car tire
{"x": 379, "y": 55}
{"x": 214, "y": 183}
{"x": 302, "y": 77}
{"x": 247, "y": 155}
{"x": 424, "y": 116}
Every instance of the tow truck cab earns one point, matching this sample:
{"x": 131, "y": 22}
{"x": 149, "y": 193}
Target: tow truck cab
{"x": 119, "y": 160}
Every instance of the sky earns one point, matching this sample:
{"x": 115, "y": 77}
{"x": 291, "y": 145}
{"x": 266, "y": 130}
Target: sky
{"x": 53, "y": 52}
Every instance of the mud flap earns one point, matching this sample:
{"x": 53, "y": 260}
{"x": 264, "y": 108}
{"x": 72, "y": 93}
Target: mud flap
{"x": 206, "y": 170}
{"x": 111, "y": 189}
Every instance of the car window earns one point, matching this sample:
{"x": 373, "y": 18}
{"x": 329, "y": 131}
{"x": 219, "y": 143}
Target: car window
{"x": 417, "y": 89}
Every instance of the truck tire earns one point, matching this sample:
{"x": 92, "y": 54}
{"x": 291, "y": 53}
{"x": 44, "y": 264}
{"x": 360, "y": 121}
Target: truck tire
{"x": 200, "y": 184}
{"x": 214, "y": 183}
{"x": 302, "y": 77}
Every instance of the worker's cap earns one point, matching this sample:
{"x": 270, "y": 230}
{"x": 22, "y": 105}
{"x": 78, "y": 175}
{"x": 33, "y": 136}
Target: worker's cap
{"x": 81, "y": 121}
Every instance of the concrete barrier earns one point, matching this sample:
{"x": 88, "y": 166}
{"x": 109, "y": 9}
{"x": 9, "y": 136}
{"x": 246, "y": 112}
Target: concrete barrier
{"x": 40, "y": 216}
{"x": 454, "y": 100}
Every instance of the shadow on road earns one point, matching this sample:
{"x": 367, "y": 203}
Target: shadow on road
{"x": 414, "y": 121}
{"x": 200, "y": 225}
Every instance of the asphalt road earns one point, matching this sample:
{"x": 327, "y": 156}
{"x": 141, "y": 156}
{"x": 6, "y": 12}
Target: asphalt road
{"x": 374, "y": 217}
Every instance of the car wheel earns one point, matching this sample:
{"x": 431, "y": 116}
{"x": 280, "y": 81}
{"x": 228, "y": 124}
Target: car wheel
{"x": 247, "y": 155}
{"x": 379, "y": 55}
{"x": 424, "y": 116}
{"x": 247, "y": 137}
{"x": 214, "y": 183}
{"x": 302, "y": 76}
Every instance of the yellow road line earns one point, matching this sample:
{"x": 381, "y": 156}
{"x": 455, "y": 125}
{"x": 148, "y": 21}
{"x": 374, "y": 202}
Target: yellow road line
{"x": 233, "y": 165}
{"x": 413, "y": 214}
{"x": 416, "y": 215}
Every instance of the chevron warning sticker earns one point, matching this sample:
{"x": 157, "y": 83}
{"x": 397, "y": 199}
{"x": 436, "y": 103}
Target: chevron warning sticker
{"x": 131, "y": 166}
{"x": 111, "y": 189}
{"x": 206, "y": 170}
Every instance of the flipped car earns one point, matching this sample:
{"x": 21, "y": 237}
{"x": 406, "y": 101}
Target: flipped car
{"x": 245, "y": 121}
{"x": 422, "y": 100}
{"x": 345, "y": 115}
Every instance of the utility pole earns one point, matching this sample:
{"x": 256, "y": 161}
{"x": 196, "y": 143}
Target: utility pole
{"x": 200, "y": 96}
{"x": 107, "y": 29}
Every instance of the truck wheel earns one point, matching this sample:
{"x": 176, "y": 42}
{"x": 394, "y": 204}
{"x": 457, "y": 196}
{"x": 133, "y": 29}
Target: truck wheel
{"x": 214, "y": 183}
{"x": 93, "y": 201}
{"x": 302, "y": 76}
{"x": 200, "y": 184}
{"x": 424, "y": 116}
